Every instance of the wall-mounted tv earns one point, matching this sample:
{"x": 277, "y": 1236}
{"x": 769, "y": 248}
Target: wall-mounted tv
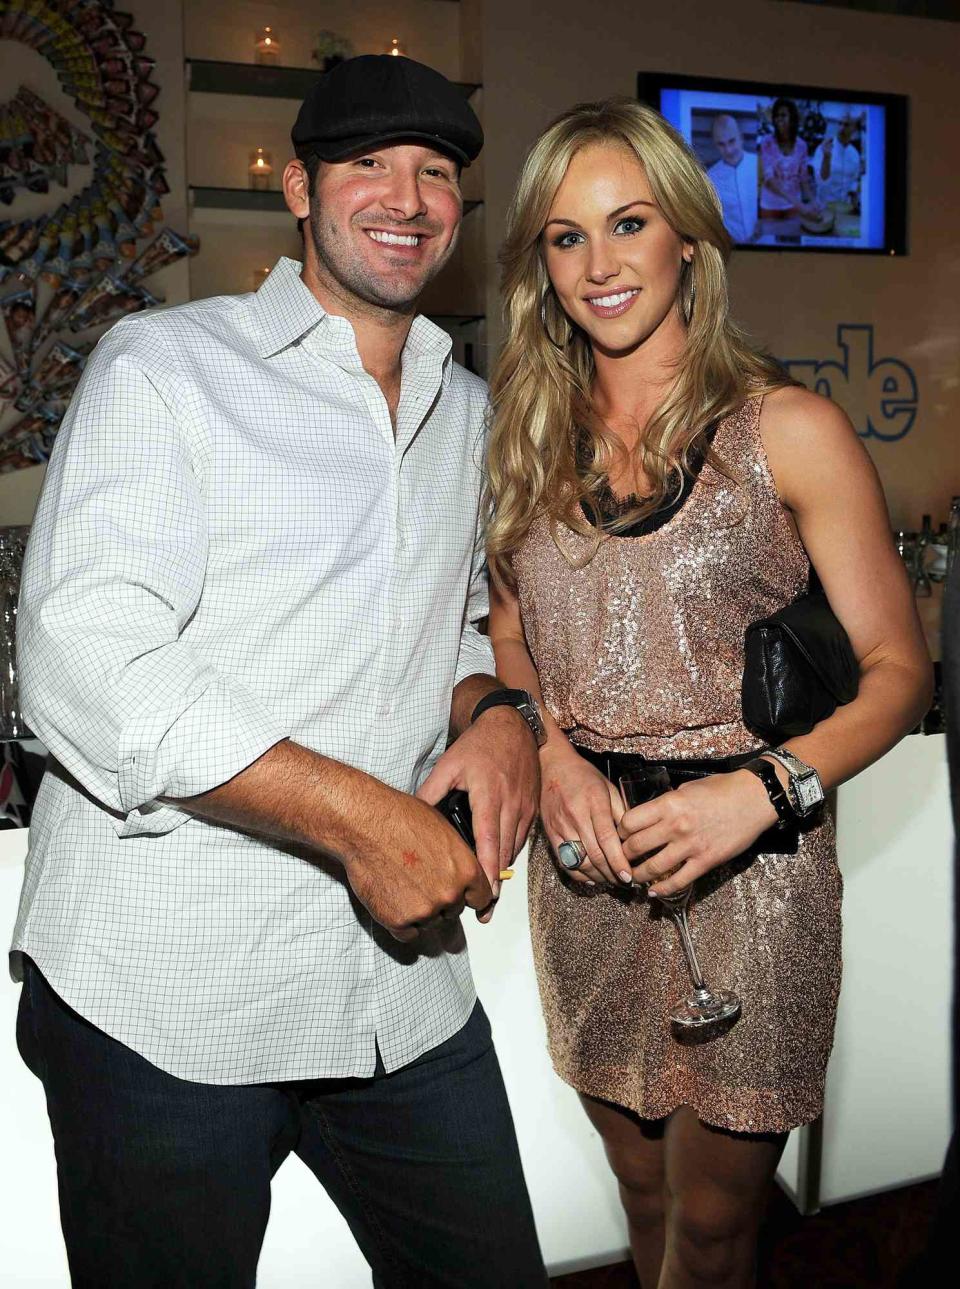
{"x": 796, "y": 168}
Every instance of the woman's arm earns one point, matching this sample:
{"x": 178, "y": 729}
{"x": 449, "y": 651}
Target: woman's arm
{"x": 808, "y": 191}
{"x": 576, "y": 801}
{"x": 763, "y": 168}
{"x": 769, "y": 155}
{"x": 829, "y": 486}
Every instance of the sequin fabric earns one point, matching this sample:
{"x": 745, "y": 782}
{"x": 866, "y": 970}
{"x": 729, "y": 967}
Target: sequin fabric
{"x": 641, "y": 650}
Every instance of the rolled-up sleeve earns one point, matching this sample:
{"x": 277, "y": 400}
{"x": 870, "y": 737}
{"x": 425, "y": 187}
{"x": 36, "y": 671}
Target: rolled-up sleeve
{"x": 114, "y": 571}
{"x": 475, "y": 652}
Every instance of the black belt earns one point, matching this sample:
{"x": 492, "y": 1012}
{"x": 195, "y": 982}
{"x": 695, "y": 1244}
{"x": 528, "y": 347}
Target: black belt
{"x": 775, "y": 841}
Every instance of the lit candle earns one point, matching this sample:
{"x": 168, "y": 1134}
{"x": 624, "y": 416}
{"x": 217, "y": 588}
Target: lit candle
{"x": 266, "y": 46}
{"x": 260, "y": 169}
{"x": 396, "y": 49}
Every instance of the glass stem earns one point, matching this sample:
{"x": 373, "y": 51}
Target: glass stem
{"x": 679, "y": 916}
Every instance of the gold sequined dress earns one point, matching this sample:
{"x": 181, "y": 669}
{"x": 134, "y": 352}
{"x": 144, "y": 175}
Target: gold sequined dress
{"x": 641, "y": 650}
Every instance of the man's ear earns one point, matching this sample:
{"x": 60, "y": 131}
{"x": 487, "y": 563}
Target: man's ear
{"x": 296, "y": 188}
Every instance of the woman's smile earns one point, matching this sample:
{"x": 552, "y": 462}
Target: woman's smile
{"x": 612, "y": 303}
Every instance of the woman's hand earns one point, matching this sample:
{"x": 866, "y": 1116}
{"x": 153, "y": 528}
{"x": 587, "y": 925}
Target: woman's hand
{"x": 577, "y": 803}
{"x": 698, "y": 826}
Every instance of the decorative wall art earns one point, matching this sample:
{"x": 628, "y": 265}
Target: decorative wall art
{"x": 69, "y": 272}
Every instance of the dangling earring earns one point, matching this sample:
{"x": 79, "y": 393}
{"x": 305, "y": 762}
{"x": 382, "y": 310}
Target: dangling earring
{"x": 691, "y": 294}
{"x": 543, "y": 319}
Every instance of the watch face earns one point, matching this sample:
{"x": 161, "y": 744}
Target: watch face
{"x": 807, "y": 792}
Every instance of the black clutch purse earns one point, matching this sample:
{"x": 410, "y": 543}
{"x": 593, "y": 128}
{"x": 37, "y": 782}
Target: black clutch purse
{"x": 799, "y": 666}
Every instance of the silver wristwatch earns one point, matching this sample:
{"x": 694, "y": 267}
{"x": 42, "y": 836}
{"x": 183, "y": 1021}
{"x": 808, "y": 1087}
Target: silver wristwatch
{"x": 803, "y": 787}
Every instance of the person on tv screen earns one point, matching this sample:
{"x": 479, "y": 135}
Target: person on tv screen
{"x": 785, "y": 188}
{"x": 836, "y": 164}
{"x": 735, "y": 178}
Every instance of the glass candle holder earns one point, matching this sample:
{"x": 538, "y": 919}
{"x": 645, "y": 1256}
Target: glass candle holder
{"x": 396, "y": 49}
{"x": 260, "y": 170}
{"x": 266, "y": 46}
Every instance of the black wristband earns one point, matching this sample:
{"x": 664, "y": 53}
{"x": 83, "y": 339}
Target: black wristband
{"x": 775, "y": 791}
{"x": 500, "y": 698}
{"x": 522, "y": 703}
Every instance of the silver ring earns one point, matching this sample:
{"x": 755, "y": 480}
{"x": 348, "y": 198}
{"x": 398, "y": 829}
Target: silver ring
{"x": 571, "y": 854}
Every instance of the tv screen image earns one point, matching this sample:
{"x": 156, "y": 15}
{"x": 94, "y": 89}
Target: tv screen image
{"x": 795, "y": 168}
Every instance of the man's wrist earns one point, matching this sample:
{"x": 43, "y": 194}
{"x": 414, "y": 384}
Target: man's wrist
{"x": 466, "y": 694}
{"x": 504, "y": 712}
{"x": 521, "y": 702}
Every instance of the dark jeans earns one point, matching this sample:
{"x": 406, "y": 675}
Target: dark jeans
{"x": 166, "y": 1184}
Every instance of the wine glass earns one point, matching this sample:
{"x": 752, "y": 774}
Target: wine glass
{"x": 704, "y": 1006}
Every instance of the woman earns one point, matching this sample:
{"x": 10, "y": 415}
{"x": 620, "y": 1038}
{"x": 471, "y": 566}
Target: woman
{"x": 657, "y": 485}
{"x": 785, "y": 188}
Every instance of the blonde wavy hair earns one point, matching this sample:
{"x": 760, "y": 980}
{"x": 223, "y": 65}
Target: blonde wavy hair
{"x": 542, "y": 420}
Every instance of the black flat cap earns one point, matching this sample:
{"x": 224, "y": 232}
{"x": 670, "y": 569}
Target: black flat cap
{"x": 380, "y": 98}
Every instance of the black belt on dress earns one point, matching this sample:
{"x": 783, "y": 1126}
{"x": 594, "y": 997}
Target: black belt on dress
{"x": 775, "y": 841}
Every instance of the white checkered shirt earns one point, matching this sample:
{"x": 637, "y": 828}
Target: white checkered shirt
{"x": 233, "y": 548}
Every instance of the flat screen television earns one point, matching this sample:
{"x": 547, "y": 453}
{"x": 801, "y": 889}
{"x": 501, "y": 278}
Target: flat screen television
{"x": 796, "y": 168}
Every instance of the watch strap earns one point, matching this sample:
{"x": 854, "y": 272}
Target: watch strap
{"x": 789, "y": 761}
{"x": 804, "y": 789}
{"x": 767, "y": 775}
{"x": 522, "y": 702}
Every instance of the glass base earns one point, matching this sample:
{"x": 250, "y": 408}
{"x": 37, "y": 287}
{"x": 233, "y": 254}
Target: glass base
{"x": 705, "y": 1007}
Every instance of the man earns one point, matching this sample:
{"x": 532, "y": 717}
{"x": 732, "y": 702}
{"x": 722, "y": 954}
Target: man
{"x": 735, "y": 178}
{"x": 836, "y": 165}
{"x": 248, "y": 621}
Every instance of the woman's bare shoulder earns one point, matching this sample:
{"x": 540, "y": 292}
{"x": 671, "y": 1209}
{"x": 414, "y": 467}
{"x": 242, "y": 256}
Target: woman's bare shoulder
{"x": 797, "y": 418}
{"x": 808, "y": 439}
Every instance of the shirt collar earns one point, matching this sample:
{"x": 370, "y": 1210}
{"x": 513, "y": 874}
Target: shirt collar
{"x": 426, "y": 340}
{"x": 284, "y": 310}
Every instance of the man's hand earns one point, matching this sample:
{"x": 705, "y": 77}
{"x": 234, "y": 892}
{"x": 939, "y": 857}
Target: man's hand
{"x": 495, "y": 761}
{"x": 413, "y": 870}
{"x": 403, "y": 861}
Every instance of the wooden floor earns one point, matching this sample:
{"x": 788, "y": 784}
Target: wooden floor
{"x": 873, "y": 1243}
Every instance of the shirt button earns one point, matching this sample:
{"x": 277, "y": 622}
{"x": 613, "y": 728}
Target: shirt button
{"x": 386, "y": 710}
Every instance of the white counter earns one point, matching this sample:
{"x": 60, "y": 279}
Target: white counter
{"x": 887, "y": 1113}
{"x": 887, "y": 1107}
